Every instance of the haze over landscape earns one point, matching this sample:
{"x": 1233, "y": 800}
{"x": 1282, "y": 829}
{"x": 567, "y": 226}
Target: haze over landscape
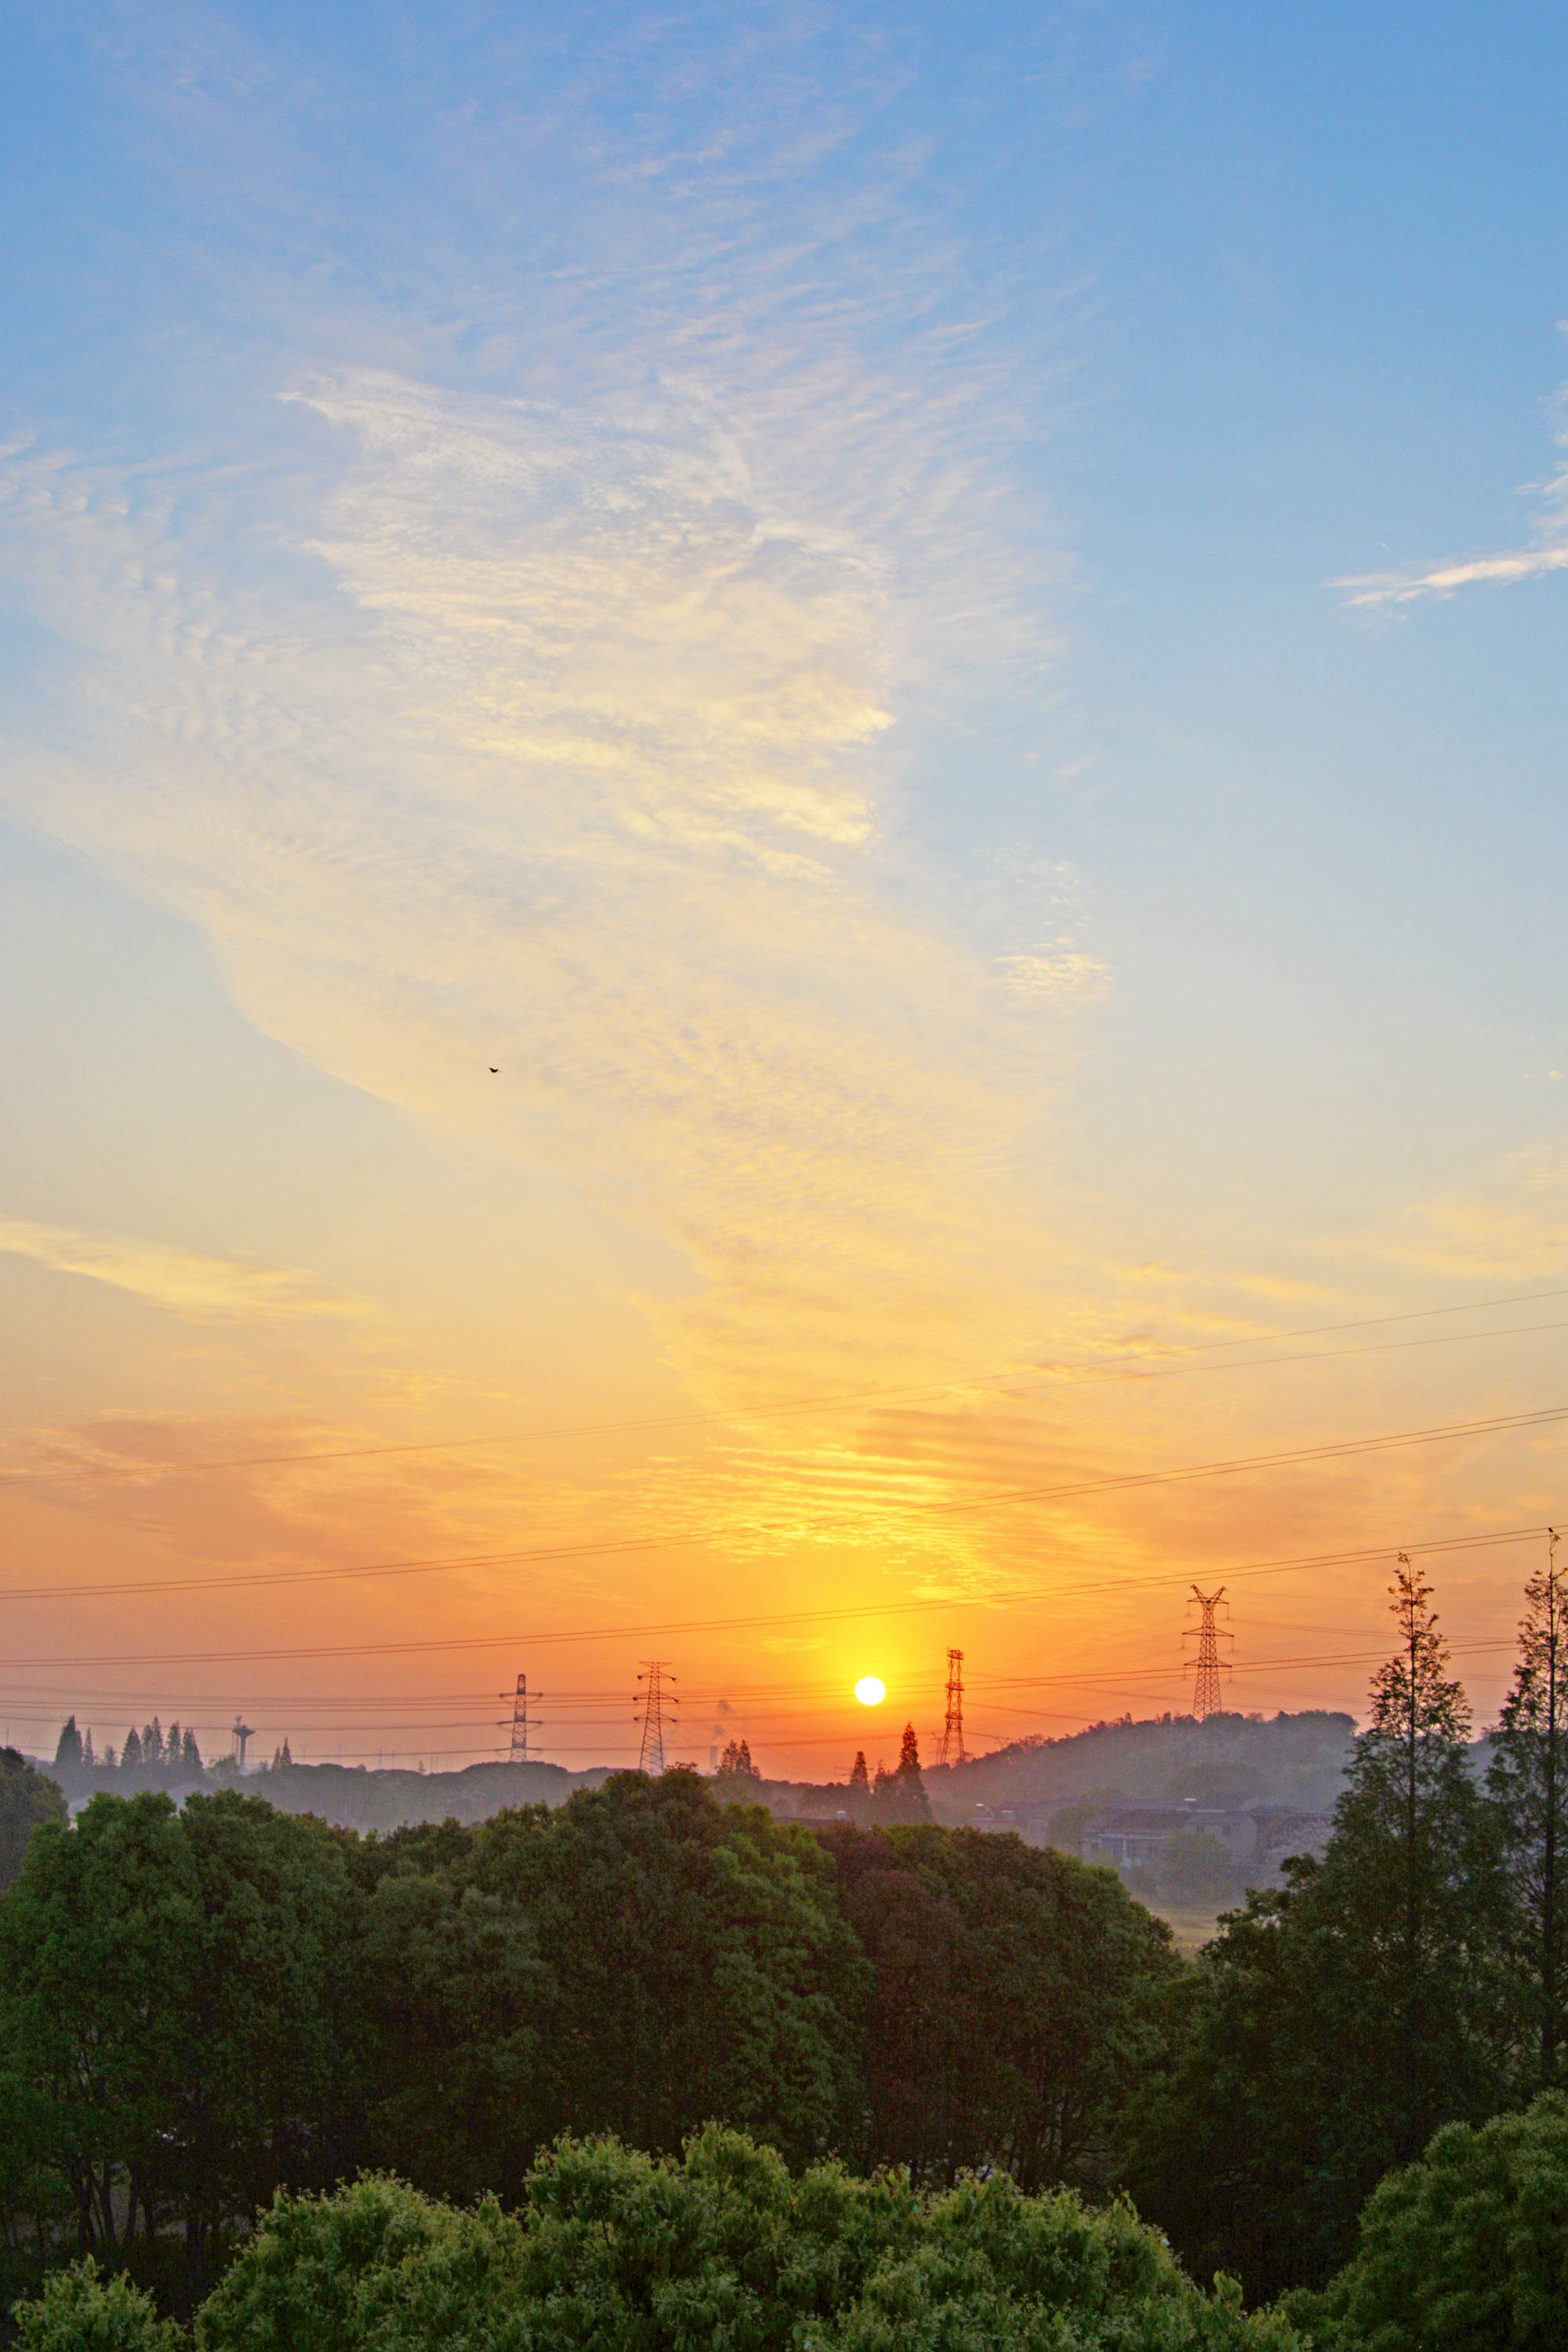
{"x": 780, "y": 863}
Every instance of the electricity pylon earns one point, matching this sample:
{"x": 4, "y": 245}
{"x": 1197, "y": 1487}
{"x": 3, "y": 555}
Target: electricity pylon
{"x": 1208, "y": 1666}
{"x": 519, "y": 1724}
{"x": 649, "y": 1712}
{"x": 951, "y": 1748}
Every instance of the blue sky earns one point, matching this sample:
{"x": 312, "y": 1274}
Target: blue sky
{"x": 779, "y": 574}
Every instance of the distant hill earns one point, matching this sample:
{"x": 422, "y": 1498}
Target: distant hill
{"x": 1041, "y": 1784}
{"x": 1229, "y": 1761}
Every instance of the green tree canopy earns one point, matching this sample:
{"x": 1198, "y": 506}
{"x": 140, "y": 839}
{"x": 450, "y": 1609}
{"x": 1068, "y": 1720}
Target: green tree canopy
{"x": 27, "y": 1800}
{"x": 174, "y": 2006}
{"x": 1527, "y": 1779}
{"x": 721, "y": 2246}
{"x": 1465, "y": 2251}
{"x": 1335, "y": 2023}
{"x": 1016, "y": 1996}
{"x": 78, "y": 2310}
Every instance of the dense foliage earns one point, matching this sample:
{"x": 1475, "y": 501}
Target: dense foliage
{"x": 1465, "y": 2251}
{"x": 1392, "y": 1986}
{"x": 27, "y": 1800}
{"x": 722, "y": 2247}
{"x": 870, "y": 2066}
{"x": 198, "y": 2007}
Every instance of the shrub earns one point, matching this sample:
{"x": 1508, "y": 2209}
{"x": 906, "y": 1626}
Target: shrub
{"x": 78, "y": 2310}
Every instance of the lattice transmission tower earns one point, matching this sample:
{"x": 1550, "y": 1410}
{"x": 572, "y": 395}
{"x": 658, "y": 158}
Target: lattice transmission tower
{"x": 951, "y": 1748}
{"x": 1208, "y": 1666}
{"x": 520, "y": 1725}
{"x": 655, "y": 1701}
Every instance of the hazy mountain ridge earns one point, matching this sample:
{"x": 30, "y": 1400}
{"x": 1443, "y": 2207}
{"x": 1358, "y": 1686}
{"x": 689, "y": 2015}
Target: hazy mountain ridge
{"x": 1227, "y": 1760}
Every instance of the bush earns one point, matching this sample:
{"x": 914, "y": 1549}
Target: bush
{"x": 78, "y": 2311}
{"x": 1465, "y": 2251}
{"x": 620, "y": 2252}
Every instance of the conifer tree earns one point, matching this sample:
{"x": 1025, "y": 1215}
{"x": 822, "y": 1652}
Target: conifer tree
{"x": 1528, "y": 1778}
{"x": 68, "y": 1749}
{"x": 860, "y": 1778}
{"x": 151, "y": 1743}
{"x": 736, "y": 1764}
{"x": 900, "y": 1795}
{"x": 191, "y": 1755}
{"x": 130, "y": 1754}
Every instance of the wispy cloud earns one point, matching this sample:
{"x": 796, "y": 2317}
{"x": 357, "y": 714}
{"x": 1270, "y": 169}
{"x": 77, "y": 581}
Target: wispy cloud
{"x": 1514, "y": 1229}
{"x": 1546, "y": 551}
{"x": 569, "y": 729}
{"x": 204, "y": 1288}
{"x": 570, "y": 768}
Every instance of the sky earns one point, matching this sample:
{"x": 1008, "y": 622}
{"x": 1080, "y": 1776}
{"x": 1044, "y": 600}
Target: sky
{"x": 780, "y": 861}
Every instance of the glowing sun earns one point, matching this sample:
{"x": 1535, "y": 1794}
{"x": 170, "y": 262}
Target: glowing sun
{"x": 870, "y": 1691}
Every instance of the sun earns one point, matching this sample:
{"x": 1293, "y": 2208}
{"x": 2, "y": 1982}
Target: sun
{"x": 870, "y": 1691}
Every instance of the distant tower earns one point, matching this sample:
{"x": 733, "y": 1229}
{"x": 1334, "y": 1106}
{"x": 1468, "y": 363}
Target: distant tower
{"x": 242, "y": 1735}
{"x": 519, "y": 1726}
{"x": 650, "y": 1711}
{"x": 1208, "y": 1667}
{"x": 949, "y": 1747}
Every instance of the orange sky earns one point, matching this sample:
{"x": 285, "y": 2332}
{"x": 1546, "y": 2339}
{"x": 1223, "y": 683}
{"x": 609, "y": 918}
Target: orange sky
{"x": 730, "y": 881}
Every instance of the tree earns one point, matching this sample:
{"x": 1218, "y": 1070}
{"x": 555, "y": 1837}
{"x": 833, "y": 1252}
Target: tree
{"x": 735, "y": 1764}
{"x": 26, "y": 1798}
{"x": 1016, "y": 1999}
{"x": 1527, "y": 1778}
{"x": 698, "y": 1964}
{"x": 454, "y": 1981}
{"x": 78, "y": 2310}
{"x": 1465, "y": 2251}
{"x": 191, "y": 1755}
{"x": 720, "y": 2245}
{"x": 1337, "y": 2020}
{"x": 68, "y": 1749}
{"x": 1412, "y": 1770}
{"x": 859, "y": 1779}
{"x": 900, "y": 1795}
{"x": 177, "y": 2013}
{"x": 1196, "y": 1872}
{"x": 130, "y": 1754}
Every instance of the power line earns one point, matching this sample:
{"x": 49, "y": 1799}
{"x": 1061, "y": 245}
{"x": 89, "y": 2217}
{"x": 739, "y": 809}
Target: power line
{"x": 1438, "y": 1433}
{"x": 1128, "y": 1366}
{"x": 1009, "y": 1595}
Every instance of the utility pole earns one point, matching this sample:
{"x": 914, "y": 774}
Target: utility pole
{"x": 242, "y": 1735}
{"x": 650, "y": 1711}
{"x": 951, "y": 1748}
{"x": 519, "y": 1724}
{"x": 1207, "y": 1698}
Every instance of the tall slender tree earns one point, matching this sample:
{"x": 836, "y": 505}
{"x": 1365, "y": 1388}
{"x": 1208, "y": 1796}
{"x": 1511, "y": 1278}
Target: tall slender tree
{"x": 1528, "y": 1778}
{"x": 1420, "y": 1721}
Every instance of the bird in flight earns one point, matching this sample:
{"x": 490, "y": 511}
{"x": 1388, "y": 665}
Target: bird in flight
{"x": 495, "y": 1069}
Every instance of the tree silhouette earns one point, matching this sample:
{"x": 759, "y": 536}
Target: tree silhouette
{"x": 1528, "y": 1779}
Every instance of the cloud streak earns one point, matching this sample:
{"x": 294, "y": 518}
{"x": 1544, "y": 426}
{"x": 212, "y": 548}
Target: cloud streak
{"x": 205, "y": 1289}
{"x": 1546, "y": 553}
